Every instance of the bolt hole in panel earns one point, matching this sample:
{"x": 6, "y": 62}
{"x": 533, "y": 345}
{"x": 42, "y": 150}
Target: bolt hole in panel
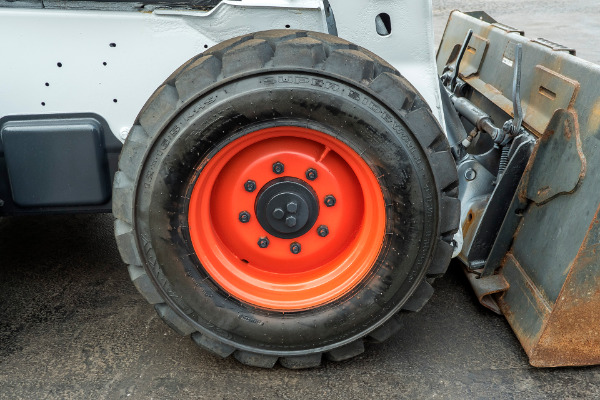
{"x": 383, "y": 24}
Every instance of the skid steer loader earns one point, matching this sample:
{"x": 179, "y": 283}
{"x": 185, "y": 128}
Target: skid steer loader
{"x": 288, "y": 178}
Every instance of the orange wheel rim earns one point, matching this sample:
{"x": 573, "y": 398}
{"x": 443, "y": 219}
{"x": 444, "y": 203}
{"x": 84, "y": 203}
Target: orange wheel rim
{"x": 303, "y": 270}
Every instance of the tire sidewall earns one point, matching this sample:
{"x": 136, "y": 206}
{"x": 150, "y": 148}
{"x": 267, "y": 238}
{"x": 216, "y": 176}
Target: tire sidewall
{"x": 341, "y": 109}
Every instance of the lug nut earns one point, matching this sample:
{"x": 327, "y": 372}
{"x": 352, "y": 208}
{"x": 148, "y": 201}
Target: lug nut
{"x": 250, "y": 185}
{"x": 311, "y": 174}
{"x": 290, "y": 221}
{"x": 323, "y": 230}
{"x": 244, "y": 217}
{"x": 295, "y": 248}
{"x": 278, "y": 168}
{"x": 329, "y": 200}
{"x": 263, "y": 242}
{"x": 278, "y": 213}
{"x": 292, "y": 206}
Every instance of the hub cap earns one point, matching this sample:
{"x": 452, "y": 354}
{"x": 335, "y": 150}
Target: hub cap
{"x": 287, "y": 208}
{"x": 313, "y": 250}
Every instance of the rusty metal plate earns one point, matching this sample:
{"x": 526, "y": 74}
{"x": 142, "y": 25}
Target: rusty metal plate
{"x": 569, "y": 334}
{"x": 549, "y": 91}
{"x": 549, "y": 81}
{"x": 474, "y": 56}
{"x": 559, "y": 163}
{"x": 523, "y": 305}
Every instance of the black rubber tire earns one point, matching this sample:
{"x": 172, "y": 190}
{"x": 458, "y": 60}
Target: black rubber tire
{"x": 264, "y": 79}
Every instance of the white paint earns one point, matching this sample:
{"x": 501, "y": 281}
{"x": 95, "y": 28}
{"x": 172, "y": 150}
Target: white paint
{"x": 149, "y": 47}
{"x": 410, "y": 46}
{"x": 124, "y": 132}
{"x": 115, "y": 82}
{"x": 458, "y": 242}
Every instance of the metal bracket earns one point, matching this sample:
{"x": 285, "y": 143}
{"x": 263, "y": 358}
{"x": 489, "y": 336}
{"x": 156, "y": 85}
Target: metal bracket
{"x": 555, "y": 46}
{"x": 485, "y": 287}
{"x": 560, "y": 163}
{"x": 508, "y": 28}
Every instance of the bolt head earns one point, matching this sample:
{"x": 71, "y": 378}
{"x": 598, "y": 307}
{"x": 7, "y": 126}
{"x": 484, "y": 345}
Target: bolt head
{"x": 311, "y": 174}
{"x": 278, "y": 213}
{"x": 330, "y": 200}
{"x": 244, "y": 217}
{"x": 124, "y": 133}
{"x": 250, "y": 185}
{"x": 278, "y": 168}
{"x": 290, "y": 221}
{"x": 292, "y": 206}
{"x": 323, "y": 230}
{"x": 263, "y": 242}
{"x": 470, "y": 174}
{"x": 295, "y": 248}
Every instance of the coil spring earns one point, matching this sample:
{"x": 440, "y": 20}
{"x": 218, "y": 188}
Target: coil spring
{"x": 503, "y": 160}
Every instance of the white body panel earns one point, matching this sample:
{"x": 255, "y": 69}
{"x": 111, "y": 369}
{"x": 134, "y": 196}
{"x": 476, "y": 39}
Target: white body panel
{"x": 409, "y": 47}
{"x": 149, "y": 46}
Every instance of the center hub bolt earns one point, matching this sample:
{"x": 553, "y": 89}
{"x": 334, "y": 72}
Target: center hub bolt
{"x": 263, "y": 242}
{"x": 295, "y": 248}
{"x": 329, "y": 200}
{"x": 311, "y": 174}
{"x": 290, "y": 221}
{"x": 292, "y": 207}
{"x": 278, "y": 168}
{"x": 323, "y": 230}
{"x": 278, "y": 213}
{"x": 244, "y": 217}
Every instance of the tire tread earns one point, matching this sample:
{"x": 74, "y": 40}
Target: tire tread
{"x": 274, "y": 49}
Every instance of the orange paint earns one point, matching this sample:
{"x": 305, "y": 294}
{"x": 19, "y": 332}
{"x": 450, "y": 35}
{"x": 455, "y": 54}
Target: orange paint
{"x": 274, "y": 278}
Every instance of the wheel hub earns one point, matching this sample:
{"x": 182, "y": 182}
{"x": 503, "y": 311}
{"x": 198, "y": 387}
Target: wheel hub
{"x": 287, "y": 207}
{"x": 287, "y": 218}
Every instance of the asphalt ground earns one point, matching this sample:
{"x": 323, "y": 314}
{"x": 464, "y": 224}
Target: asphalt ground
{"x": 72, "y": 326}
